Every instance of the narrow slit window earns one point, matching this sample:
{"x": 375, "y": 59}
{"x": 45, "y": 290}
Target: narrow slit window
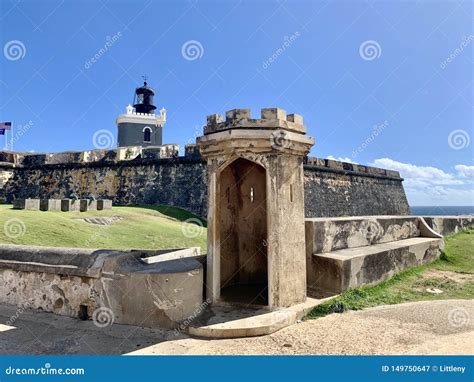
{"x": 291, "y": 193}
{"x": 251, "y": 194}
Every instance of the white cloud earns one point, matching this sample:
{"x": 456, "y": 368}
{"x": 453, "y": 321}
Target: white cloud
{"x": 465, "y": 171}
{"x": 419, "y": 175}
{"x": 341, "y": 159}
{"x": 427, "y": 185}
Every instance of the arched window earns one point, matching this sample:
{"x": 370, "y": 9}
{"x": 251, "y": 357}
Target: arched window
{"x": 147, "y": 134}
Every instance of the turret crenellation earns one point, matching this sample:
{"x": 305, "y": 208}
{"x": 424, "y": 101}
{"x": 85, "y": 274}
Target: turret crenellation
{"x": 271, "y": 118}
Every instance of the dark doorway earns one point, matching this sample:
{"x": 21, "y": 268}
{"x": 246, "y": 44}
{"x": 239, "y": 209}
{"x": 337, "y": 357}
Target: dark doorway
{"x": 242, "y": 213}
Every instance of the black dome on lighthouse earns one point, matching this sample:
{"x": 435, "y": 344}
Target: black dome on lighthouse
{"x": 143, "y": 100}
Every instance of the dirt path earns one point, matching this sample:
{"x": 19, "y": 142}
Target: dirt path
{"x": 439, "y": 327}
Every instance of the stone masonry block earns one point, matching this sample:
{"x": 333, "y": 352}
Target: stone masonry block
{"x": 70, "y": 205}
{"x": 104, "y": 204}
{"x": 274, "y": 113}
{"x": 26, "y": 204}
{"x": 214, "y": 119}
{"x": 50, "y": 204}
{"x": 296, "y": 118}
{"x": 237, "y": 114}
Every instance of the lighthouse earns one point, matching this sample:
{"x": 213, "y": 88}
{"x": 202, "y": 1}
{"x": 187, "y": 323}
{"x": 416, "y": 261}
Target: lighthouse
{"x": 140, "y": 126}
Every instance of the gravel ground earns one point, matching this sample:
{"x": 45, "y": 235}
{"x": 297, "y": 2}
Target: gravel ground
{"x": 438, "y": 327}
{"x": 429, "y": 327}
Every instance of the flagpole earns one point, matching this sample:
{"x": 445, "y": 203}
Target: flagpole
{"x": 11, "y": 139}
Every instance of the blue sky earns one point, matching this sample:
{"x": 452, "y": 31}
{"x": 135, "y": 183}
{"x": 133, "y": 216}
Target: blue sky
{"x": 386, "y": 83}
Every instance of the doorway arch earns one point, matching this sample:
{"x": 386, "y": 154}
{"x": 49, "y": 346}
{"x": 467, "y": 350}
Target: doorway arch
{"x": 242, "y": 219}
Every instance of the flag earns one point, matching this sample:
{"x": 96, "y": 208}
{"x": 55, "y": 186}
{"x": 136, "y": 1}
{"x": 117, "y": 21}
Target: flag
{"x": 2, "y": 131}
{"x": 5, "y": 125}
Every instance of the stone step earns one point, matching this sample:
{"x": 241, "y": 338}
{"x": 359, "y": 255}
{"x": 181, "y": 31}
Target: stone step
{"x": 339, "y": 270}
{"x": 231, "y": 322}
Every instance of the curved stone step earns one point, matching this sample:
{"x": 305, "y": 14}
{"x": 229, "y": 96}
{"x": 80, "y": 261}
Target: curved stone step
{"x": 232, "y": 322}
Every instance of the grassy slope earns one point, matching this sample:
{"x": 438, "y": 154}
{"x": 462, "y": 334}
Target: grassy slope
{"x": 142, "y": 227}
{"x": 411, "y": 285}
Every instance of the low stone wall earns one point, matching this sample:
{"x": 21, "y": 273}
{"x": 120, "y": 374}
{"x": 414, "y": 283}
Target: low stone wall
{"x": 447, "y": 225}
{"x": 64, "y": 205}
{"x": 155, "y": 175}
{"x": 126, "y": 287}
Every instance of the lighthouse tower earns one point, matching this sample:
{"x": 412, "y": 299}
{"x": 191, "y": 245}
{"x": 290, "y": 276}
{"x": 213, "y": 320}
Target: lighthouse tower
{"x": 140, "y": 126}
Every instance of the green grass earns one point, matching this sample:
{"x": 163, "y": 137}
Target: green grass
{"x": 411, "y": 285}
{"x": 142, "y": 227}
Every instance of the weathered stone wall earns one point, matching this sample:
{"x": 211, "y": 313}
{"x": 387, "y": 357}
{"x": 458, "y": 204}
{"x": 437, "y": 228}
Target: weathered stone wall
{"x": 343, "y": 189}
{"x": 156, "y": 176}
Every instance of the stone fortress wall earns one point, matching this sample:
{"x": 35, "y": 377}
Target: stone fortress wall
{"x": 158, "y": 175}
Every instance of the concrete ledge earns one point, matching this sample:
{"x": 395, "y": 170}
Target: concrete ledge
{"x": 79, "y": 282}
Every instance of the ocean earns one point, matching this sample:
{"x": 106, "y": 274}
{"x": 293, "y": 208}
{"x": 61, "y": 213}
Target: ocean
{"x": 441, "y": 210}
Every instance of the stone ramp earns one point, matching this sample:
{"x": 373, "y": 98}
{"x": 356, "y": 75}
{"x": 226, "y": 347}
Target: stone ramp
{"x": 345, "y": 253}
{"x": 231, "y": 322}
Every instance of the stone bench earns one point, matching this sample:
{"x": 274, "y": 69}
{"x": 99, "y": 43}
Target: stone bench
{"x": 349, "y": 252}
